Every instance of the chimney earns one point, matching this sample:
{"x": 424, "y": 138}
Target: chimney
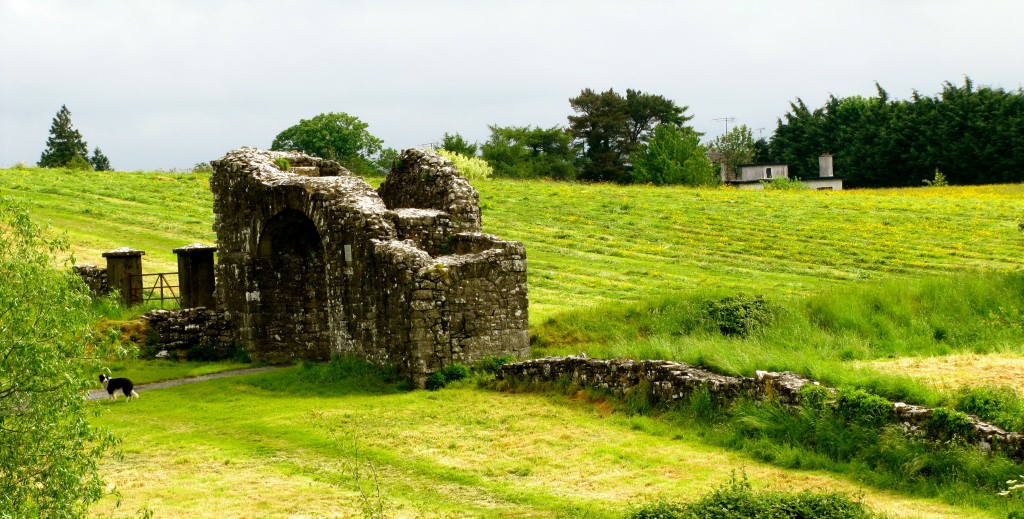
{"x": 825, "y": 165}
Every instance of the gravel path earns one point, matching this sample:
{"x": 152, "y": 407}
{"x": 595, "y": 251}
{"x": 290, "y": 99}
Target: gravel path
{"x": 97, "y": 394}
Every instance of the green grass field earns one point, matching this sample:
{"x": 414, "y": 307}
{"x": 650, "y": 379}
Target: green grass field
{"x": 859, "y": 279}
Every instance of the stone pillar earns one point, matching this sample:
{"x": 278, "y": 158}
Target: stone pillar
{"x": 195, "y": 275}
{"x": 124, "y": 273}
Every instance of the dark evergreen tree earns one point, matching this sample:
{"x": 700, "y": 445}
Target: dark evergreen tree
{"x": 99, "y": 161}
{"x": 64, "y": 143}
{"x": 610, "y": 127}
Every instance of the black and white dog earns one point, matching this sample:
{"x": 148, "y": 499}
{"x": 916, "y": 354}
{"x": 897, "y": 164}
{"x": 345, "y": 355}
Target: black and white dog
{"x": 113, "y": 384}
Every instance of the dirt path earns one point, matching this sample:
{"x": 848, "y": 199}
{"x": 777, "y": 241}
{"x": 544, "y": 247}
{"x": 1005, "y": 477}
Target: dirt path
{"x": 97, "y": 394}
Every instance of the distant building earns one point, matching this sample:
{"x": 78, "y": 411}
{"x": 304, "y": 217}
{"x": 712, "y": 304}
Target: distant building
{"x": 753, "y": 176}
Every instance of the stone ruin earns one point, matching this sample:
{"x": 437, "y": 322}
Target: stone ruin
{"x": 313, "y": 262}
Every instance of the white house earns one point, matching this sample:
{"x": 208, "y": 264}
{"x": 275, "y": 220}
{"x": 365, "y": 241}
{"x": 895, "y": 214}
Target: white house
{"x": 753, "y": 176}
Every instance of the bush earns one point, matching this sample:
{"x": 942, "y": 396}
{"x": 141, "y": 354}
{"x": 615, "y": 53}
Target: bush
{"x": 473, "y": 168}
{"x": 737, "y": 500}
{"x": 860, "y": 407}
{"x": 739, "y": 315}
{"x": 490, "y": 365}
{"x": 949, "y": 424}
{"x": 999, "y": 406}
{"x": 436, "y": 381}
{"x": 446, "y": 375}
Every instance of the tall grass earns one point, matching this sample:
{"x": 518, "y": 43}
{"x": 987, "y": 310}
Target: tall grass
{"x": 816, "y": 335}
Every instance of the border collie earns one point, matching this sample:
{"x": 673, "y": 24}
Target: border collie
{"x": 113, "y": 384}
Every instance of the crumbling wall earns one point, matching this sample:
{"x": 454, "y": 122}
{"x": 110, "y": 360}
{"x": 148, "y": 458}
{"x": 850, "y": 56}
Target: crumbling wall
{"x": 312, "y": 265}
{"x": 424, "y": 180}
{"x": 188, "y": 328}
{"x": 94, "y": 277}
{"x": 669, "y": 381}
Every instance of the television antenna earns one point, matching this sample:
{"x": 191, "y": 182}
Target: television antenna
{"x": 727, "y": 121}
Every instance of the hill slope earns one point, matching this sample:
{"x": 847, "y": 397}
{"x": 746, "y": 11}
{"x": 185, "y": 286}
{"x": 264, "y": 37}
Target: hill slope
{"x": 595, "y": 243}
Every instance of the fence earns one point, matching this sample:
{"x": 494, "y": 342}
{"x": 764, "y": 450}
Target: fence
{"x": 158, "y": 288}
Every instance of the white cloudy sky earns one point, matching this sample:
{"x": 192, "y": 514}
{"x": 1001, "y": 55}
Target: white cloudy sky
{"x": 166, "y": 84}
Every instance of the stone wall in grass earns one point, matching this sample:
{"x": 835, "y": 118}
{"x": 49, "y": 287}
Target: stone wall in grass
{"x": 94, "y": 277}
{"x": 191, "y": 329}
{"x": 667, "y": 382}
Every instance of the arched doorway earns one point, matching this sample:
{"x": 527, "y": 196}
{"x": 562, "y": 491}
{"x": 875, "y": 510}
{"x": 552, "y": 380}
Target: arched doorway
{"x": 292, "y": 287}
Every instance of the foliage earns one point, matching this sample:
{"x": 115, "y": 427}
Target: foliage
{"x": 1000, "y": 406}
{"x": 784, "y": 184}
{"x": 857, "y": 406}
{"x": 939, "y": 180}
{"x": 457, "y": 144}
{"x": 736, "y": 146}
{"x": 947, "y": 424}
{"x": 446, "y": 375}
{"x": 472, "y": 168}
{"x": 739, "y": 315}
{"x": 531, "y": 152}
{"x": 99, "y": 161}
{"x": 737, "y": 499}
{"x": 610, "y": 127}
{"x": 490, "y": 364}
{"x": 973, "y": 135}
{"x": 282, "y": 164}
{"x": 79, "y": 162}
{"x": 335, "y": 136}
{"x": 64, "y": 144}
{"x": 50, "y": 453}
{"x": 673, "y": 156}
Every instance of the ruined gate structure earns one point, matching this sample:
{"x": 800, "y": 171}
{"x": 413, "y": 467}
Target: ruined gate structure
{"x": 312, "y": 261}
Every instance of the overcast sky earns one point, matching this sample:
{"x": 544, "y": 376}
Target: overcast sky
{"x": 167, "y": 84}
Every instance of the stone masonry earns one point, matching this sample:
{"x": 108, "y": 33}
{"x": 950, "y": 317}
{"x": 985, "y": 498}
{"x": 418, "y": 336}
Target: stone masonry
{"x": 313, "y": 262}
{"x": 669, "y": 381}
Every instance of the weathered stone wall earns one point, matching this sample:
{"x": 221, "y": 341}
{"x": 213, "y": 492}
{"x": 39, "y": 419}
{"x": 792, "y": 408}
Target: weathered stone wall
{"x": 424, "y": 180}
{"x": 94, "y": 277}
{"x": 312, "y": 265}
{"x": 670, "y": 381}
{"x": 183, "y": 329}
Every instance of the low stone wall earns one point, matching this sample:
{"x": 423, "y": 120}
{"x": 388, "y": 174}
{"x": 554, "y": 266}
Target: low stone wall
{"x": 184, "y": 329}
{"x": 95, "y": 278}
{"x": 670, "y": 381}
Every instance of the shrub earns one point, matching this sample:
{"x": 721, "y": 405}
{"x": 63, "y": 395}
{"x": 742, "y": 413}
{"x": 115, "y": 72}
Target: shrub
{"x": 737, "y": 500}
{"x": 948, "y": 424}
{"x": 739, "y": 315}
{"x": 784, "y": 184}
{"x": 436, "y": 381}
{"x": 1000, "y": 406}
{"x": 473, "y": 168}
{"x": 490, "y": 365}
{"x": 860, "y": 407}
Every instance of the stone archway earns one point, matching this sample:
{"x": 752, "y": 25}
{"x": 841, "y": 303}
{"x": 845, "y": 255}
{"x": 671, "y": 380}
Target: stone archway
{"x": 291, "y": 281}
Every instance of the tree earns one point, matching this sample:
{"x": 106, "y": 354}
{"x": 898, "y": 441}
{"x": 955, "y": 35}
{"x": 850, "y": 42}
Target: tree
{"x": 673, "y": 156}
{"x": 737, "y": 146}
{"x": 65, "y": 142}
{"x": 531, "y": 152}
{"x": 99, "y": 161}
{"x": 49, "y": 453}
{"x": 455, "y": 143}
{"x": 335, "y": 136}
{"x": 610, "y": 127}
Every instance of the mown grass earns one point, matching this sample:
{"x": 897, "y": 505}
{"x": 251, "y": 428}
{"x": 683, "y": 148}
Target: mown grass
{"x": 589, "y": 244}
{"x": 291, "y": 443}
{"x": 614, "y": 271}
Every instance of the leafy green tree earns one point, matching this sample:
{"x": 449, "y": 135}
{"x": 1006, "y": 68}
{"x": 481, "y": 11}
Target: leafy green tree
{"x": 65, "y": 142}
{"x": 99, "y": 161}
{"x": 609, "y": 127}
{"x": 736, "y": 146}
{"x": 456, "y": 143}
{"x": 531, "y": 152}
{"x": 673, "y": 156}
{"x": 335, "y": 136}
{"x": 49, "y": 453}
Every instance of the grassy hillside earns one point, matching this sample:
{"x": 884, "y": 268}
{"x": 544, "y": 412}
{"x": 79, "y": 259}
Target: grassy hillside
{"x": 588, "y": 244}
{"x": 853, "y": 278}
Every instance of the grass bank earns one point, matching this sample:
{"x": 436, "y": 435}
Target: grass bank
{"x": 320, "y": 436}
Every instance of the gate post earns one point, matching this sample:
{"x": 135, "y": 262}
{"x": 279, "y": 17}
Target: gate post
{"x": 124, "y": 273}
{"x": 195, "y": 275}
